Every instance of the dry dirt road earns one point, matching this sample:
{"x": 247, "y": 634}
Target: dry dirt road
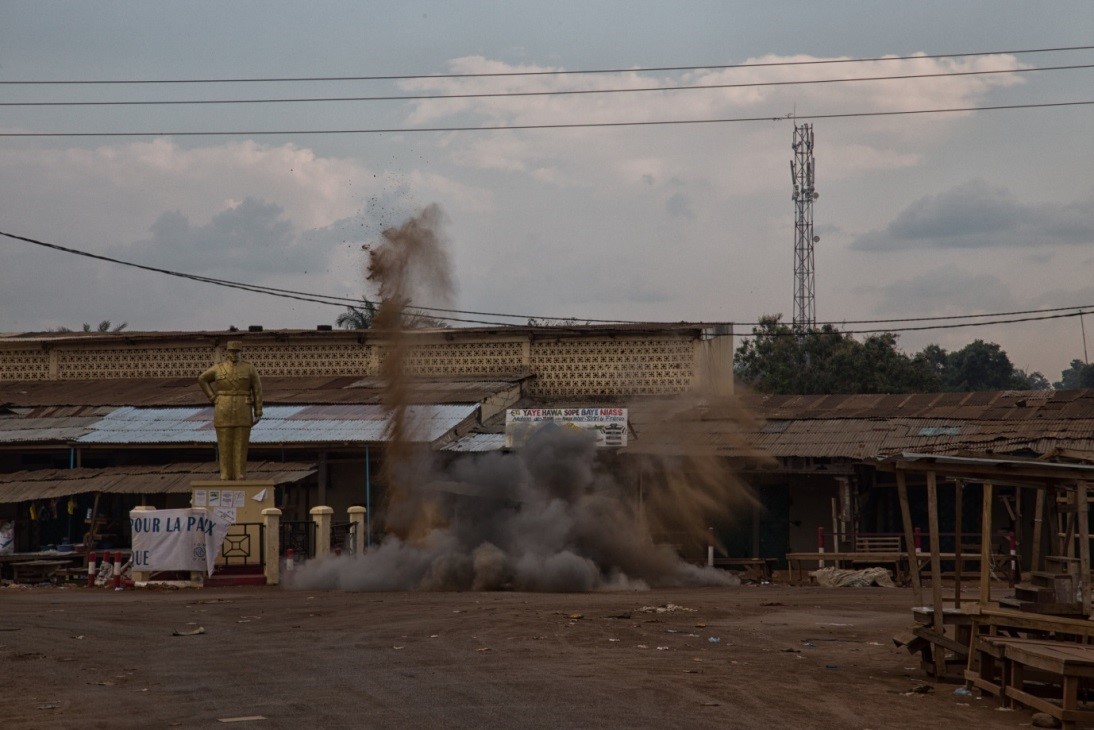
{"x": 743, "y": 657}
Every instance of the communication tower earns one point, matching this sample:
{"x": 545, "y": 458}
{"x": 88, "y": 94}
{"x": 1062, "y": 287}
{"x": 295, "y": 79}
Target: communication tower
{"x": 801, "y": 172}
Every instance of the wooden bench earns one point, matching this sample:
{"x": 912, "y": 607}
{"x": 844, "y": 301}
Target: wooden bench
{"x": 37, "y": 571}
{"x": 878, "y": 544}
{"x": 871, "y": 546}
{"x": 1069, "y": 663}
{"x": 942, "y": 654}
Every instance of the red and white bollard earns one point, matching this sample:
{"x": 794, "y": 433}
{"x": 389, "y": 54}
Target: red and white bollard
{"x": 710, "y": 547}
{"x": 918, "y": 540}
{"x": 338, "y": 551}
{"x": 820, "y": 545}
{"x": 289, "y": 562}
{"x": 116, "y": 582}
{"x": 92, "y": 569}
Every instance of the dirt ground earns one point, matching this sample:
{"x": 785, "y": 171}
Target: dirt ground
{"x": 740, "y": 657}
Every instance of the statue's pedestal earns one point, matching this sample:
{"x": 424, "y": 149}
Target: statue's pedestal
{"x": 239, "y": 501}
{"x": 242, "y": 499}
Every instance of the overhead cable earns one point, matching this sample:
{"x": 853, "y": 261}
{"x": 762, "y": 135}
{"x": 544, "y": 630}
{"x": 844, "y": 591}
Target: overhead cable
{"x": 560, "y": 92}
{"x": 446, "y": 314}
{"x": 575, "y": 125}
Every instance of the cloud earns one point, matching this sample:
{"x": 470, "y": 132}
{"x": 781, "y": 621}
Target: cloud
{"x": 679, "y": 206}
{"x": 253, "y": 237}
{"x": 942, "y": 292}
{"x": 980, "y": 215}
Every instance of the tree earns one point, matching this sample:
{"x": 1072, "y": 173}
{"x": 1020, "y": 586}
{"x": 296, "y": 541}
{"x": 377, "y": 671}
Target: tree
{"x": 780, "y": 359}
{"x": 358, "y": 318}
{"x": 103, "y": 326}
{"x": 983, "y": 365}
{"x": 364, "y": 317}
{"x": 1079, "y": 375}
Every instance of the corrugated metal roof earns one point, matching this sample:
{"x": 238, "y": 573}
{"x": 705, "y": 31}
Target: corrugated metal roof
{"x": 167, "y": 479}
{"x": 281, "y": 390}
{"x": 477, "y": 443}
{"x": 279, "y": 425}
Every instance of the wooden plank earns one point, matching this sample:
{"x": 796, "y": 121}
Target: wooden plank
{"x": 959, "y": 491}
{"x": 1046, "y": 623}
{"x": 909, "y": 537}
{"x": 942, "y": 640}
{"x": 1034, "y": 702}
{"x": 886, "y": 557}
{"x": 936, "y": 569}
{"x": 1084, "y": 544}
{"x": 985, "y": 546}
{"x": 1038, "y": 518}
{"x": 1053, "y": 657}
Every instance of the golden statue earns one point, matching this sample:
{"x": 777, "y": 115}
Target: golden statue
{"x": 237, "y": 405}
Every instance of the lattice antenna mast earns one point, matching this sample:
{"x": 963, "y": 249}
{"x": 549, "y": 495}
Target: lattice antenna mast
{"x": 801, "y": 172}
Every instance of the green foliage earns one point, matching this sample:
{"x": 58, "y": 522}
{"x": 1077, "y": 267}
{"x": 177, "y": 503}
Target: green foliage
{"x": 106, "y": 326}
{"x": 363, "y": 317}
{"x": 1079, "y": 375}
{"x": 355, "y": 318}
{"x": 781, "y": 359}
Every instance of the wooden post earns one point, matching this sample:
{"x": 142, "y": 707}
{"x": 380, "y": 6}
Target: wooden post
{"x": 936, "y": 573}
{"x": 835, "y": 528}
{"x": 1083, "y": 515}
{"x": 985, "y": 547}
{"x": 756, "y": 530}
{"x": 909, "y": 537}
{"x": 1072, "y": 515}
{"x": 1038, "y": 518}
{"x": 958, "y": 494}
{"x": 92, "y": 529}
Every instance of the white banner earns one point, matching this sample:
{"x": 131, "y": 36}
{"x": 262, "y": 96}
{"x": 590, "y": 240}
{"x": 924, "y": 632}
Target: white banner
{"x": 608, "y": 424}
{"x": 177, "y": 539}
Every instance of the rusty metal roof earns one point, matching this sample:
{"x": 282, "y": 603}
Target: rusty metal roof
{"x": 23, "y": 486}
{"x": 870, "y": 426}
{"x": 477, "y": 443}
{"x": 276, "y": 390}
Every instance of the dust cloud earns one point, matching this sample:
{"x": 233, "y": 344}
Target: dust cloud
{"x": 558, "y": 514}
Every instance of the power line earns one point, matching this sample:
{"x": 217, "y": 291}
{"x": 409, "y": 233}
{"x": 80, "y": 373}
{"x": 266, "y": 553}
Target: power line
{"x": 408, "y": 77}
{"x": 896, "y": 330}
{"x": 561, "y": 92}
{"x": 574, "y": 125}
{"x": 445, "y": 314}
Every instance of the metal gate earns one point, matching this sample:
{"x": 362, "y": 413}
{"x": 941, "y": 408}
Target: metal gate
{"x": 300, "y": 537}
{"x": 244, "y": 545}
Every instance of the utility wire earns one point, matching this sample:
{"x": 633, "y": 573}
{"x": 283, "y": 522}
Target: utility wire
{"x": 445, "y": 314}
{"x": 407, "y": 77}
{"x": 896, "y": 330}
{"x": 575, "y": 125}
{"x": 562, "y": 92}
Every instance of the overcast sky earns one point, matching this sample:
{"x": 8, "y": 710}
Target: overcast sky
{"x": 918, "y": 216}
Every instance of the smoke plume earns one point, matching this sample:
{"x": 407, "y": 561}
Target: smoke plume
{"x": 559, "y": 514}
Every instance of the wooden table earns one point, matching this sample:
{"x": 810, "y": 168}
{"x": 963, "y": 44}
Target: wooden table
{"x": 37, "y": 571}
{"x": 71, "y": 558}
{"x": 1071, "y": 663}
{"x": 952, "y": 649}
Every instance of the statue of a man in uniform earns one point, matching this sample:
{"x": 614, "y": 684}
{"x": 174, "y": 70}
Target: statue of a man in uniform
{"x": 237, "y": 405}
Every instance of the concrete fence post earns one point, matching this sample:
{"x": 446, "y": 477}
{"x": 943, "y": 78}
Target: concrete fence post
{"x": 271, "y": 520}
{"x": 321, "y": 516}
{"x": 357, "y": 517}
